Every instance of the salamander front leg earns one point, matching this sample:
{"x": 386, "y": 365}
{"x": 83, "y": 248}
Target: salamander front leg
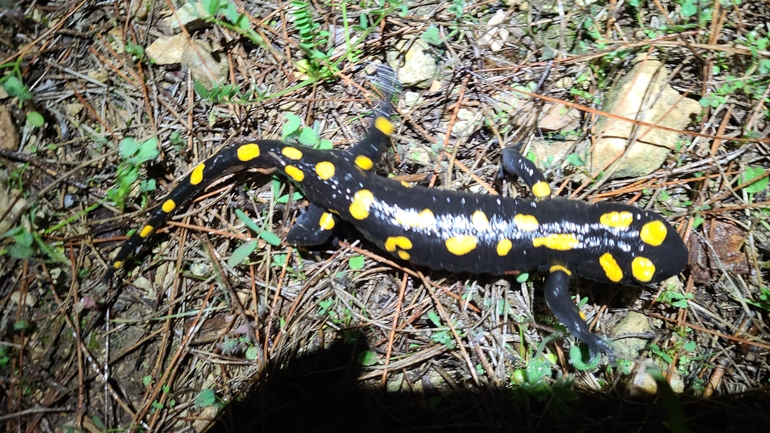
{"x": 559, "y": 301}
{"x": 370, "y": 150}
{"x": 313, "y": 227}
{"x": 514, "y": 163}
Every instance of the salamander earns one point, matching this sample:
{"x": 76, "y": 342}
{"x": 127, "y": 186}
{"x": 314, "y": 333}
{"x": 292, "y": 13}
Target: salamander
{"x": 450, "y": 230}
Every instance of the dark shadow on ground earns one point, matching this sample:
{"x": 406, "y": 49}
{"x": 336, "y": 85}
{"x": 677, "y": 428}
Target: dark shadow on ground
{"x": 319, "y": 392}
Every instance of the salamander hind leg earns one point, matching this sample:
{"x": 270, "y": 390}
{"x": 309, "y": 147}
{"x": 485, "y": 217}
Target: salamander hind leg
{"x": 559, "y": 301}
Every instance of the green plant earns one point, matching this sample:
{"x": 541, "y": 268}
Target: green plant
{"x": 13, "y": 83}
{"x": 236, "y": 21}
{"x": 292, "y": 130}
{"x": 764, "y": 299}
{"x": 220, "y": 92}
{"x": 756, "y": 186}
{"x": 442, "y": 335}
{"x": 672, "y": 297}
{"x": 24, "y": 243}
{"x": 312, "y": 42}
{"x": 244, "y": 250}
{"x": 134, "y": 153}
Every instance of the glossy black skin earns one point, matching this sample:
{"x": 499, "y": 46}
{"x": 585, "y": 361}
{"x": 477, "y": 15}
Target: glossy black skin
{"x": 453, "y": 216}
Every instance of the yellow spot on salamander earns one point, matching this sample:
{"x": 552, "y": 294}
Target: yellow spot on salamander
{"x": 556, "y": 268}
{"x": 197, "y": 174}
{"x": 611, "y": 267}
{"x": 461, "y": 245}
{"x": 406, "y": 184}
{"x": 653, "y": 233}
{"x": 168, "y": 206}
{"x": 294, "y": 173}
{"x": 383, "y": 125}
{"x": 292, "y": 153}
{"x": 541, "y": 189}
{"x": 247, "y": 152}
{"x": 398, "y": 244}
{"x": 504, "y": 247}
{"x": 326, "y": 221}
{"x": 362, "y": 201}
{"x": 394, "y": 242}
{"x": 146, "y": 230}
{"x": 325, "y": 170}
{"x": 558, "y": 241}
{"x": 117, "y": 265}
{"x": 526, "y": 223}
{"x": 618, "y": 220}
{"x": 364, "y": 162}
{"x": 480, "y": 221}
{"x": 643, "y": 269}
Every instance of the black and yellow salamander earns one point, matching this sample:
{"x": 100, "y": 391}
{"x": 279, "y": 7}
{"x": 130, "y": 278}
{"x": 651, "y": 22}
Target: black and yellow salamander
{"x": 451, "y": 230}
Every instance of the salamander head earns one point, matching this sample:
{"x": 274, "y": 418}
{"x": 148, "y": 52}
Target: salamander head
{"x": 642, "y": 247}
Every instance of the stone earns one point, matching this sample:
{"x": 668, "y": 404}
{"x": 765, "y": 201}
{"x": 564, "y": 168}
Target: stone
{"x": 643, "y": 91}
{"x": 417, "y": 67}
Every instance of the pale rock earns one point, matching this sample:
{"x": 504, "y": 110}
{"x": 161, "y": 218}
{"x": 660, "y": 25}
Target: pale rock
{"x": 642, "y": 91}
{"x": 644, "y": 384}
{"x": 551, "y": 117}
{"x": 29, "y": 299}
{"x": 140, "y": 9}
{"x": 548, "y": 152}
{"x": 204, "y": 66}
{"x": 412, "y": 98}
{"x": 10, "y": 199}
{"x": 9, "y": 134}
{"x": 417, "y": 67}
{"x": 496, "y": 37}
{"x": 632, "y": 323}
{"x": 101, "y": 75}
{"x": 73, "y": 108}
{"x": 191, "y": 16}
{"x": 467, "y": 121}
{"x": 167, "y": 51}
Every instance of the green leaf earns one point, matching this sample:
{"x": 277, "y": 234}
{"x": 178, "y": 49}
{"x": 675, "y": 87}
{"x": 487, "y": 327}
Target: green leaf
{"x": 325, "y": 145}
{"x": 206, "y": 398}
{"x": 242, "y": 253}
{"x": 285, "y": 198}
{"x": 148, "y": 150}
{"x": 128, "y": 147}
{"x": 576, "y": 358}
{"x": 522, "y": 277}
{"x": 252, "y": 353}
{"x": 356, "y": 262}
{"x": 16, "y": 88}
{"x": 433, "y": 317}
{"x": 689, "y": 8}
{"x": 431, "y": 35}
{"x": 308, "y": 137}
{"x": 575, "y": 160}
{"x": 201, "y": 90}
{"x": 751, "y": 173}
{"x": 291, "y": 125}
{"x": 248, "y": 221}
{"x": 270, "y": 238}
{"x": 35, "y": 119}
{"x": 367, "y": 358}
